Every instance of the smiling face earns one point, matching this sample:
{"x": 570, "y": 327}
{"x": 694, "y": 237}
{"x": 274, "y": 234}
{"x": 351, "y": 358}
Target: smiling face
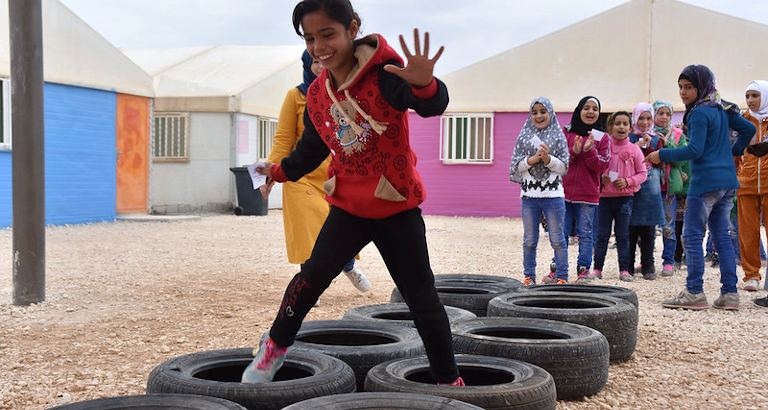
{"x": 621, "y": 126}
{"x": 687, "y": 91}
{"x": 329, "y": 42}
{"x": 645, "y": 121}
{"x": 590, "y": 113}
{"x": 663, "y": 117}
{"x": 539, "y": 116}
{"x": 753, "y": 100}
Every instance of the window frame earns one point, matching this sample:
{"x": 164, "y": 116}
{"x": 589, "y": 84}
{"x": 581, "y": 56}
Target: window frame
{"x": 6, "y": 138}
{"x": 467, "y": 151}
{"x": 187, "y": 131}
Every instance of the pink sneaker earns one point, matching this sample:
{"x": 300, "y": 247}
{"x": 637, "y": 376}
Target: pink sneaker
{"x": 667, "y": 270}
{"x": 596, "y": 274}
{"x": 456, "y": 383}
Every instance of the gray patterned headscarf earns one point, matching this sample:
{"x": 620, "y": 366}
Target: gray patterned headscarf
{"x": 552, "y": 135}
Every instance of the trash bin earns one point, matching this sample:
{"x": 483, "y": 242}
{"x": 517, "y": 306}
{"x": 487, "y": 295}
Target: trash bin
{"x": 249, "y": 200}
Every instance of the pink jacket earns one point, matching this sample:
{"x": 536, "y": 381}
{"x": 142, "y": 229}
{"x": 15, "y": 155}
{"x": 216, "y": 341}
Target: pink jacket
{"x": 582, "y": 181}
{"x": 627, "y": 161}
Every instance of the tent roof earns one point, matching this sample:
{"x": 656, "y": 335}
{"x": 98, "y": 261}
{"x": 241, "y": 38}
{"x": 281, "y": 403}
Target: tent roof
{"x": 75, "y": 54}
{"x": 250, "y": 79}
{"x": 628, "y": 54}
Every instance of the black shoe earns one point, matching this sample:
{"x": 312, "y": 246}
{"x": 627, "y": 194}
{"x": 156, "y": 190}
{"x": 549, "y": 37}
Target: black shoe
{"x": 715, "y": 260}
{"x": 762, "y": 302}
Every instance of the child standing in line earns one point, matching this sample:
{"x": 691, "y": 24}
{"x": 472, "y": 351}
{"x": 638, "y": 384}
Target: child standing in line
{"x": 713, "y": 183}
{"x": 625, "y": 173}
{"x": 674, "y": 181}
{"x": 304, "y": 204}
{"x": 538, "y": 164}
{"x": 589, "y": 157}
{"x": 752, "y": 203}
{"x": 357, "y": 110}
{"x": 647, "y": 208}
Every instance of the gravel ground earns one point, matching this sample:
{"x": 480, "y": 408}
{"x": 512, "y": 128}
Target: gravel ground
{"x": 123, "y": 297}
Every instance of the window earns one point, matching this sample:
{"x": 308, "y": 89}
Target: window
{"x": 467, "y": 139}
{"x": 5, "y": 114}
{"x": 170, "y": 139}
{"x": 267, "y": 130}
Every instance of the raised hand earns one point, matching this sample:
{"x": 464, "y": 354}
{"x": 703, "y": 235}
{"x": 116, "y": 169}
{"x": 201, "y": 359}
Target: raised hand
{"x": 577, "y": 144}
{"x": 418, "y": 67}
{"x": 588, "y": 144}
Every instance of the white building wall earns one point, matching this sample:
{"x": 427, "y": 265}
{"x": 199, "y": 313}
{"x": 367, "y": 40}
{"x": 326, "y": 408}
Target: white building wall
{"x": 205, "y": 183}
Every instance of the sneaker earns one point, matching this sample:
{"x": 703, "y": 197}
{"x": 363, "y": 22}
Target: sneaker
{"x": 687, "y": 300}
{"x": 583, "y": 274}
{"x": 638, "y": 268}
{"x": 358, "y": 279}
{"x": 596, "y": 274}
{"x": 727, "y": 301}
{"x": 529, "y": 282}
{"x": 571, "y": 240}
{"x": 561, "y": 281}
{"x": 708, "y": 257}
{"x": 267, "y": 361}
{"x": 625, "y": 276}
{"x": 751, "y": 285}
{"x": 549, "y": 278}
{"x": 667, "y": 270}
{"x": 649, "y": 275}
{"x": 456, "y": 383}
{"x": 317, "y": 303}
{"x": 715, "y": 260}
{"x": 762, "y": 302}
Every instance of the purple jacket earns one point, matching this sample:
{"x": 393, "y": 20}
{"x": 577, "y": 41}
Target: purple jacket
{"x": 582, "y": 182}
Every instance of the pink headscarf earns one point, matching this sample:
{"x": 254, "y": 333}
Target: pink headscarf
{"x": 639, "y": 109}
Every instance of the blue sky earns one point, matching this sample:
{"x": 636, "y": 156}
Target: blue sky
{"x": 470, "y": 30}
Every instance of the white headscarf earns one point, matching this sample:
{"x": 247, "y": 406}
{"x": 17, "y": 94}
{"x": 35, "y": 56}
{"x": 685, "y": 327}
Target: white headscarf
{"x": 552, "y": 135}
{"x": 760, "y": 86}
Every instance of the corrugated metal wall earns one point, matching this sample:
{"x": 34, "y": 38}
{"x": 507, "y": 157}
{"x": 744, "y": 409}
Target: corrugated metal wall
{"x": 80, "y": 157}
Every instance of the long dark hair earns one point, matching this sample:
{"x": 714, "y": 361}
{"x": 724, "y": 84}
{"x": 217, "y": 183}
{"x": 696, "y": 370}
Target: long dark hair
{"x": 338, "y": 10}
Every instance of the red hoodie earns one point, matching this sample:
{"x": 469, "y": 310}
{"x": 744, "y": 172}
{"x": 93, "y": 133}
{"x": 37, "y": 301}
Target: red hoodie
{"x": 364, "y": 124}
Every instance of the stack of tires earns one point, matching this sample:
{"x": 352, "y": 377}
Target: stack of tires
{"x": 516, "y": 348}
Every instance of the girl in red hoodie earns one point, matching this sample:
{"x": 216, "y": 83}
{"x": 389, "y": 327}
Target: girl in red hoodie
{"x": 357, "y": 110}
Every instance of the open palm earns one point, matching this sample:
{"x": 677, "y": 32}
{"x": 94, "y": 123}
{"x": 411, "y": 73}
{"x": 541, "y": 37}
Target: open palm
{"x": 419, "y": 67}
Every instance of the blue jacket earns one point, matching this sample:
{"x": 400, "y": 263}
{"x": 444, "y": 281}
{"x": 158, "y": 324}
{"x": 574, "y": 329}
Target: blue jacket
{"x": 709, "y": 148}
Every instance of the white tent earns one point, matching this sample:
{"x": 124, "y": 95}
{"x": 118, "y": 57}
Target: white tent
{"x": 245, "y": 79}
{"x": 631, "y": 53}
{"x": 75, "y": 54}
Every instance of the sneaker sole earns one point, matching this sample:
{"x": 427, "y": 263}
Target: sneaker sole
{"x": 688, "y": 307}
{"x": 727, "y": 307}
{"x": 750, "y": 288}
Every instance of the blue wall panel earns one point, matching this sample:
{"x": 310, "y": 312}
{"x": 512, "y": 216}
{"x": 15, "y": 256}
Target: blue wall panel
{"x": 80, "y": 157}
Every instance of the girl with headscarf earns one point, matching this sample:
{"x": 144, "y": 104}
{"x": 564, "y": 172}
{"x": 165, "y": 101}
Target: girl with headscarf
{"x": 538, "y": 163}
{"x": 674, "y": 184}
{"x": 590, "y": 155}
{"x": 708, "y": 120}
{"x": 304, "y": 204}
{"x": 752, "y": 202}
{"x": 647, "y": 208}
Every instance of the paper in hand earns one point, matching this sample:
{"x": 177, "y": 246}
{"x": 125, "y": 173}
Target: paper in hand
{"x": 536, "y": 142}
{"x": 597, "y": 135}
{"x": 257, "y": 179}
{"x": 613, "y": 175}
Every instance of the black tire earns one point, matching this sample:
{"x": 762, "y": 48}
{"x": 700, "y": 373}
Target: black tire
{"x": 491, "y": 382}
{"x": 615, "y": 318}
{"x": 503, "y": 281}
{"x": 154, "y": 402}
{"x": 217, "y": 373}
{"x": 378, "y": 401}
{"x": 400, "y": 314}
{"x": 473, "y": 297}
{"x": 616, "y": 291}
{"x": 360, "y": 344}
{"x": 576, "y": 356}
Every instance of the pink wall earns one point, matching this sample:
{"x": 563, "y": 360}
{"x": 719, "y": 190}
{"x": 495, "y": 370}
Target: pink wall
{"x": 469, "y": 190}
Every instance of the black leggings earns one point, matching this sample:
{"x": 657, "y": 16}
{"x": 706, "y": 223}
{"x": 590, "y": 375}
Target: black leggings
{"x": 402, "y": 243}
{"x": 646, "y": 235}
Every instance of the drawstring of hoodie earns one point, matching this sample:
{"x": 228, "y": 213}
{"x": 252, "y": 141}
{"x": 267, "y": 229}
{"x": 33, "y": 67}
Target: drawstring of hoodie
{"x": 377, "y": 126}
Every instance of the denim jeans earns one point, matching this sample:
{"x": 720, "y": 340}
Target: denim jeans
{"x": 618, "y": 210}
{"x": 711, "y": 208}
{"x": 668, "y": 231}
{"x": 553, "y": 209}
{"x": 584, "y": 222}
{"x": 569, "y": 224}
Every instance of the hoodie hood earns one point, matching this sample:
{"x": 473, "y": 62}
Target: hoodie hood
{"x": 369, "y": 51}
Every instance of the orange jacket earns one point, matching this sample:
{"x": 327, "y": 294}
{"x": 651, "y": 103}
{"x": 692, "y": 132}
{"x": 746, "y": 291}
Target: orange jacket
{"x": 751, "y": 170}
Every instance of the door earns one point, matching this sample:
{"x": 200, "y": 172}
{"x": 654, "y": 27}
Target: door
{"x": 132, "y": 130}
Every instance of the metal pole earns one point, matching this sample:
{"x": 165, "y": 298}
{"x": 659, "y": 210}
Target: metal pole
{"x": 28, "y": 155}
